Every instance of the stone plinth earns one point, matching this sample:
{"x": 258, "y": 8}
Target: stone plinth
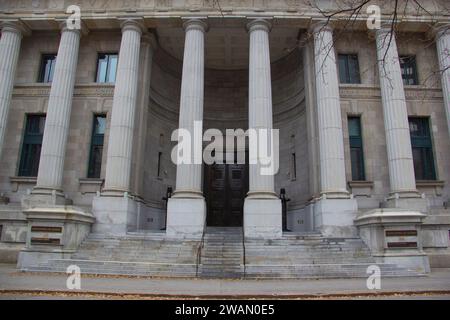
{"x": 54, "y": 232}
{"x": 334, "y": 217}
{"x": 394, "y": 236}
{"x": 262, "y": 218}
{"x": 186, "y": 218}
{"x": 114, "y": 215}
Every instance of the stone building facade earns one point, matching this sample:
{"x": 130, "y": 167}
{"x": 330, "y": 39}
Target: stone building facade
{"x": 350, "y": 161}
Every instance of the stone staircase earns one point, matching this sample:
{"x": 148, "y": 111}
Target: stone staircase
{"x": 134, "y": 254}
{"x": 224, "y": 254}
{"x": 312, "y": 256}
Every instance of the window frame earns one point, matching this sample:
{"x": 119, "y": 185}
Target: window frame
{"x": 94, "y": 142}
{"x": 415, "y": 76}
{"x": 357, "y": 142}
{"x": 24, "y": 169}
{"x": 425, "y": 144}
{"x": 348, "y": 74}
{"x": 42, "y": 67}
{"x": 108, "y": 67}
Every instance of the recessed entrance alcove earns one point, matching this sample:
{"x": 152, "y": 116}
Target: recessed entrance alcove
{"x": 226, "y": 107}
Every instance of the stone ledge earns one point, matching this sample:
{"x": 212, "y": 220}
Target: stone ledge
{"x": 62, "y": 213}
{"x": 361, "y": 188}
{"x": 437, "y": 219}
{"x": 389, "y": 215}
{"x": 90, "y": 185}
{"x": 16, "y": 181}
{"x": 430, "y": 183}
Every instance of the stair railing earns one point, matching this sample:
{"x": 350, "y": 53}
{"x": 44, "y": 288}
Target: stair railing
{"x": 199, "y": 250}
{"x": 243, "y": 250}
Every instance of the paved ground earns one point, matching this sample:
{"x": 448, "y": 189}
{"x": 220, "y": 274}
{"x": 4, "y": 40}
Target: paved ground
{"x": 14, "y": 284}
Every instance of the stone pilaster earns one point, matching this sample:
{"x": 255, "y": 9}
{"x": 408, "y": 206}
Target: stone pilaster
{"x": 12, "y": 33}
{"x": 335, "y": 210}
{"x": 443, "y": 51}
{"x": 398, "y": 142}
{"x": 262, "y": 208}
{"x": 331, "y": 142}
{"x": 115, "y": 209}
{"x": 186, "y": 210}
{"x": 120, "y": 143}
{"x": 51, "y": 165}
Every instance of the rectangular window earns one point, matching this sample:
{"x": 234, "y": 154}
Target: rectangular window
{"x": 294, "y": 166}
{"x": 95, "y": 157}
{"x": 348, "y": 68}
{"x": 356, "y": 149}
{"x": 409, "y": 70}
{"x": 31, "y": 146}
{"x": 159, "y": 164}
{"x": 48, "y": 62}
{"x": 106, "y": 67}
{"x": 422, "y": 148}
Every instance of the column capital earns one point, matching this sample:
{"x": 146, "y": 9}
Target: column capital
{"x": 319, "y": 26}
{"x": 195, "y": 23}
{"x": 64, "y": 26}
{"x": 16, "y": 26}
{"x": 259, "y": 24}
{"x": 133, "y": 24}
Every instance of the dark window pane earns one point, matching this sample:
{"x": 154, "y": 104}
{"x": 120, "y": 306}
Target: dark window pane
{"x": 354, "y": 69}
{"x": 96, "y": 162}
{"x": 356, "y": 148}
{"x": 31, "y": 147}
{"x": 409, "y": 70}
{"x": 354, "y": 127}
{"x": 422, "y": 148}
{"x": 48, "y": 62}
{"x": 343, "y": 70}
{"x": 357, "y": 164}
{"x": 348, "y": 68}
{"x": 95, "y": 157}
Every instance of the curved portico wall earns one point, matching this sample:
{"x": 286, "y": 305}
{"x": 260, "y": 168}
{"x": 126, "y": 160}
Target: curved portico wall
{"x": 225, "y": 107}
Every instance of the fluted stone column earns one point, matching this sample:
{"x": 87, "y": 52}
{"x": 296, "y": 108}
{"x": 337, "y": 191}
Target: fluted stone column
{"x": 115, "y": 210}
{"x": 188, "y": 180}
{"x": 336, "y": 209}
{"x": 443, "y": 51}
{"x": 331, "y": 142}
{"x": 10, "y": 41}
{"x": 398, "y": 142}
{"x": 120, "y": 143}
{"x": 186, "y": 210}
{"x": 262, "y": 208}
{"x": 51, "y": 165}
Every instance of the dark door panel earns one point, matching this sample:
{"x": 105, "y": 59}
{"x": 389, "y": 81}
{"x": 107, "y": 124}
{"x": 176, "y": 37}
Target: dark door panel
{"x": 225, "y": 190}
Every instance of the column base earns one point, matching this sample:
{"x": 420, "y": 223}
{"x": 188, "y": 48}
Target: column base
{"x": 42, "y": 197}
{"x": 408, "y": 200}
{"x": 262, "y": 218}
{"x": 186, "y": 217}
{"x": 334, "y": 217}
{"x": 114, "y": 215}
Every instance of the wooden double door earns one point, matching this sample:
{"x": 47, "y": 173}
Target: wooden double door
{"x": 225, "y": 188}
